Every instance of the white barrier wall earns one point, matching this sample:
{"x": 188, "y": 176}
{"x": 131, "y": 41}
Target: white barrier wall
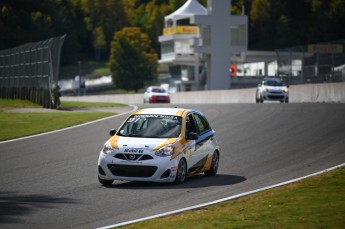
{"x": 318, "y": 93}
{"x": 307, "y": 93}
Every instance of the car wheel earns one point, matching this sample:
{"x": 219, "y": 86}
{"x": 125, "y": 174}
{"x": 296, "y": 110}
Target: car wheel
{"x": 181, "y": 172}
{"x": 106, "y": 183}
{"x": 214, "y": 166}
{"x": 261, "y": 99}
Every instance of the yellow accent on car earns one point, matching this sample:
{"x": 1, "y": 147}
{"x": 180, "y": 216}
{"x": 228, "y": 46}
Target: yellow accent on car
{"x": 113, "y": 141}
{"x": 138, "y": 112}
{"x": 208, "y": 164}
{"x": 169, "y": 141}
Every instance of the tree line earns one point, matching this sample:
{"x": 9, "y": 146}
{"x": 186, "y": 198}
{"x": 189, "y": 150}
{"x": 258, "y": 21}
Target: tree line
{"x": 90, "y": 25}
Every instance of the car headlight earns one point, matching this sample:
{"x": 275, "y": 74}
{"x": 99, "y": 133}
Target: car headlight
{"x": 107, "y": 148}
{"x": 167, "y": 150}
{"x": 286, "y": 90}
{"x": 265, "y": 89}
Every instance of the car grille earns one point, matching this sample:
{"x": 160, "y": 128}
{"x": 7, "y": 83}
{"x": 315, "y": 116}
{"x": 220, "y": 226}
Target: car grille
{"x": 132, "y": 170}
{"x": 275, "y": 96}
{"x": 133, "y": 157}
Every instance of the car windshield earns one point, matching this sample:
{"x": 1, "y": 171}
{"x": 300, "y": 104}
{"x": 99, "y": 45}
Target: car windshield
{"x": 151, "y": 126}
{"x": 158, "y": 90}
{"x": 274, "y": 83}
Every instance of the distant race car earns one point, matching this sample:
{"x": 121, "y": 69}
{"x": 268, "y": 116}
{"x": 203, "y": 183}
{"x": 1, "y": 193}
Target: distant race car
{"x": 156, "y": 94}
{"x": 159, "y": 145}
{"x": 272, "y": 89}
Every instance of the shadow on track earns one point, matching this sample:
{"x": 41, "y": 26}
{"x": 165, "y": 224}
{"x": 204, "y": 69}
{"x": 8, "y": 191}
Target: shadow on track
{"x": 197, "y": 181}
{"x": 13, "y": 205}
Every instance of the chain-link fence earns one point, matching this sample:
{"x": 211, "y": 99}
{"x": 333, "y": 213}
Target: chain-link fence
{"x": 314, "y": 63}
{"x": 31, "y": 71}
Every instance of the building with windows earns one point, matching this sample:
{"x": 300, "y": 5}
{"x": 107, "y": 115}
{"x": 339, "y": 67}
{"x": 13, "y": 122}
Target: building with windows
{"x": 198, "y": 42}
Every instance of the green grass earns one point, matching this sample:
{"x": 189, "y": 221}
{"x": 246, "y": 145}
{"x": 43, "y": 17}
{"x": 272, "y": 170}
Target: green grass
{"x": 317, "y": 202}
{"x": 72, "y": 104}
{"x": 6, "y": 104}
{"x": 14, "y": 125}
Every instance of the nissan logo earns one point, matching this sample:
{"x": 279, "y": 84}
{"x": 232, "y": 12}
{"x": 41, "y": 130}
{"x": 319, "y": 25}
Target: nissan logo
{"x": 132, "y": 157}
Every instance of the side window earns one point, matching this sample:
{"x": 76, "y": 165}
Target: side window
{"x": 202, "y": 123}
{"x": 190, "y": 124}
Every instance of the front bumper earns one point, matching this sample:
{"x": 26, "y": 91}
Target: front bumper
{"x": 276, "y": 96}
{"x": 157, "y": 169}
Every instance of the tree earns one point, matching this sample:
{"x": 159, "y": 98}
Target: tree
{"x": 132, "y": 60}
{"x": 102, "y": 18}
{"x": 260, "y": 19}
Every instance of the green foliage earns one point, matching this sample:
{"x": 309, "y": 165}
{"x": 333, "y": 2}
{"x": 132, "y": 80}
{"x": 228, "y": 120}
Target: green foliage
{"x": 132, "y": 60}
{"x": 90, "y": 24}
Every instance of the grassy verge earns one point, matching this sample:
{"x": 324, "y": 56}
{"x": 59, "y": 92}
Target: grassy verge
{"x": 71, "y": 104}
{"x": 317, "y": 202}
{"x": 6, "y": 104}
{"x": 15, "y": 125}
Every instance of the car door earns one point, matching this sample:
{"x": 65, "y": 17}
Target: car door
{"x": 203, "y": 145}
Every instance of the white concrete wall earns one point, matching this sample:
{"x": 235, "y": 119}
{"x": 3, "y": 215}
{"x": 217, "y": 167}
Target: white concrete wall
{"x": 318, "y": 93}
{"x": 307, "y": 93}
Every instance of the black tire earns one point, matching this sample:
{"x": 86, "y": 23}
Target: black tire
{"x": 214, "y": 165}
{"x": 106, "y": 183}
{"x": 181, "y": 173}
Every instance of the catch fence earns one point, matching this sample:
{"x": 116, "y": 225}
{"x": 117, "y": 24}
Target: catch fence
{"x": 30, "y": 71}
{"x": 314, "y": 63}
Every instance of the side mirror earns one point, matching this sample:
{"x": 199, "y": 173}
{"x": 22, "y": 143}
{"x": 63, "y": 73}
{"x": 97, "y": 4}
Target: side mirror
{"x": 192, "y": 136}
{"x": 112, "y": 132}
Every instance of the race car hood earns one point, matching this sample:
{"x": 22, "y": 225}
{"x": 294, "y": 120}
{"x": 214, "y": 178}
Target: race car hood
{"x": 140, "y": 143}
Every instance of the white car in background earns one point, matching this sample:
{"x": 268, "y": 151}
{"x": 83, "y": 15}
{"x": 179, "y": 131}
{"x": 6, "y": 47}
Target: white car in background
{"x": 159, "y": 145}
{"x": 156, "y": 94}
{"x": 272, "y": 89}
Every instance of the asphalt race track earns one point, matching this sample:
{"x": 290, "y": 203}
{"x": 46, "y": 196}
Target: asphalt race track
{"x": 50, "y": 181}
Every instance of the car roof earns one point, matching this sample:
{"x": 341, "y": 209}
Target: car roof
{"x": 163, "y": 111}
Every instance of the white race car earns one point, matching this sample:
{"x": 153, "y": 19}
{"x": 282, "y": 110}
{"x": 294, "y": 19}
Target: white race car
{"x": 155, "y": 94}
{"x": 159, "y": 145}
{"x": 272, "y": 89}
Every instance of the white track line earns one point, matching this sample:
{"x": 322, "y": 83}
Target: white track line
{"x": 219, "y": 200}
{"x": 71, "y": 127}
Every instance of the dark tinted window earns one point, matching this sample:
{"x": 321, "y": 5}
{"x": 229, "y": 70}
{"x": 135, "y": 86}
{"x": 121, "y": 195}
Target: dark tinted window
{"x": 158, "y": 90}
{"x": 202, "y": 123}
{"x": 190, "y": 125}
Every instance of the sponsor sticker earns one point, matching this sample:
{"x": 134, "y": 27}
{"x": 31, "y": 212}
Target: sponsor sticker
{"x": 133, "y": 150}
